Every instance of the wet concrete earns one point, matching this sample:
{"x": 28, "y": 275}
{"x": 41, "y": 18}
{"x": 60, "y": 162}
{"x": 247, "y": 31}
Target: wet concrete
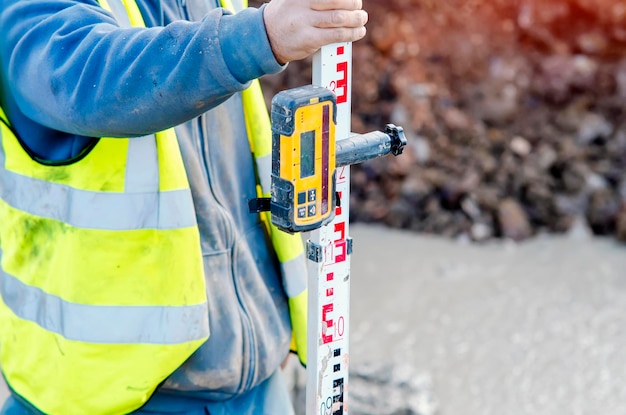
{"x": 440, "y": 327}
{"x": 502, "y": 329}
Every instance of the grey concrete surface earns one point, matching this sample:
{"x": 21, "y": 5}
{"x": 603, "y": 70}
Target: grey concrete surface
{"x": 501, "y": 329}
{"x": 536, "y": 328}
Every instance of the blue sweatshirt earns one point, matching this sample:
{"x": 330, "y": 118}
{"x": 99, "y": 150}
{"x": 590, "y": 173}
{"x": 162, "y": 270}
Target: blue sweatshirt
{"x": 73, "y": 72}
{"x": 69, "y": 72}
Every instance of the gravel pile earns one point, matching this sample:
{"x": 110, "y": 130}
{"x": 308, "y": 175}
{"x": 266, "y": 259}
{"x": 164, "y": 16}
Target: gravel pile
{"x": 514, "y": 112}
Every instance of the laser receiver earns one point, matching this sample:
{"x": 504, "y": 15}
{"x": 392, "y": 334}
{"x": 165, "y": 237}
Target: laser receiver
{"x": 305, "y": 155}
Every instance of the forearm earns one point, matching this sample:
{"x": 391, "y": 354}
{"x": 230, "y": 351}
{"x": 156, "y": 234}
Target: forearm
{"x": 73, "y": 69}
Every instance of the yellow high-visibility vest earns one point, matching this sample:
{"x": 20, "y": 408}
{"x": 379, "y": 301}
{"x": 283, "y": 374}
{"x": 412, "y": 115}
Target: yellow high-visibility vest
{"x": 288, "y": 247}
{"x": 88, "y": 254}
{"x": 102, "y": 290}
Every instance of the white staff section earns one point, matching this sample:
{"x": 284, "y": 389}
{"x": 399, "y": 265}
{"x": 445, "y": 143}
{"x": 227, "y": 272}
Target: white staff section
{"x": 328, "y": 252}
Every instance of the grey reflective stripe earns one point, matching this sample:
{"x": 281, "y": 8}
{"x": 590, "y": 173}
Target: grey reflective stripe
{"x": 264, "y": 170}
{"x": 119, "y": 11}
{"x": 149, "y": 209}
{"x": 142, "y": 167}
{"x": 97, "y": 210}
{"x": 104, "y": 324}
{"x": 238, "y": 5}
{"x": 294, "y": 276}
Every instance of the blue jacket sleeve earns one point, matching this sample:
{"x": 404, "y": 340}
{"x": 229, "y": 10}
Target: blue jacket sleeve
{"x": 72, "y": 68}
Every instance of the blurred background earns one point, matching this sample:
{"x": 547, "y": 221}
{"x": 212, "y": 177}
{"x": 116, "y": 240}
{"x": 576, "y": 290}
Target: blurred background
{"x": 514, "y": 110}
{"x": 488, "y": 275}
{"x": 489, "y": 271}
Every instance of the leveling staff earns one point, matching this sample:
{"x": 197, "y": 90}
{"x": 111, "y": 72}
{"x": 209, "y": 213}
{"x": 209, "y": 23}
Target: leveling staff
{"x": 121, "y": 256}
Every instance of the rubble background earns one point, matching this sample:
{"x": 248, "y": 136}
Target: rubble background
{"x": 513, "y": 110}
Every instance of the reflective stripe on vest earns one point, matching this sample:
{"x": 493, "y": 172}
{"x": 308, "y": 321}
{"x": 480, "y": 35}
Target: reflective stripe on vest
{"x": 289, "y": 248}
{"x": 102, "y": 285}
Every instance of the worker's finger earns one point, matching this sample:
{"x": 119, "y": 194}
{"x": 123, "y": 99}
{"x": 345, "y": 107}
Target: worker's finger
{"x": 340, "y": 18}
{"x": 295, "y": 31}
{"x": 336, "y": 4}
{"x": 335, "y": 35}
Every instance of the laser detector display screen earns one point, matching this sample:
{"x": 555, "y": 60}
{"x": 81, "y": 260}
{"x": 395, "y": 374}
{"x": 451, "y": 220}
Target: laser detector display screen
{"x": 307, "y": 154}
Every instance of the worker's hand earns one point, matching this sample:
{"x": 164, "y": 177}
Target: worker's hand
{"x": 298, "y": 28}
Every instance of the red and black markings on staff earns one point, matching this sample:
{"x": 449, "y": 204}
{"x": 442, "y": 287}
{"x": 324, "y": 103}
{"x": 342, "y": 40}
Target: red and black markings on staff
{"x": 328, "y": 251}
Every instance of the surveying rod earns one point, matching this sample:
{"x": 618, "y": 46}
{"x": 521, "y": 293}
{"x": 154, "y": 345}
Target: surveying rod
{"x": 329, "y": 248}
{"x": 312, "y": 150}
{"x": 329, "y": 278}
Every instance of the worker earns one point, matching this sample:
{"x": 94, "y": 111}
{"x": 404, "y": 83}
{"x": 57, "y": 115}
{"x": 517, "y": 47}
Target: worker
{"x": 133, "y": 277}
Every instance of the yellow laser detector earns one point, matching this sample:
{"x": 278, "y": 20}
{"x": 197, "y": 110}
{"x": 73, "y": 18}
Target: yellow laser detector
{"x": 305, "y": 156}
